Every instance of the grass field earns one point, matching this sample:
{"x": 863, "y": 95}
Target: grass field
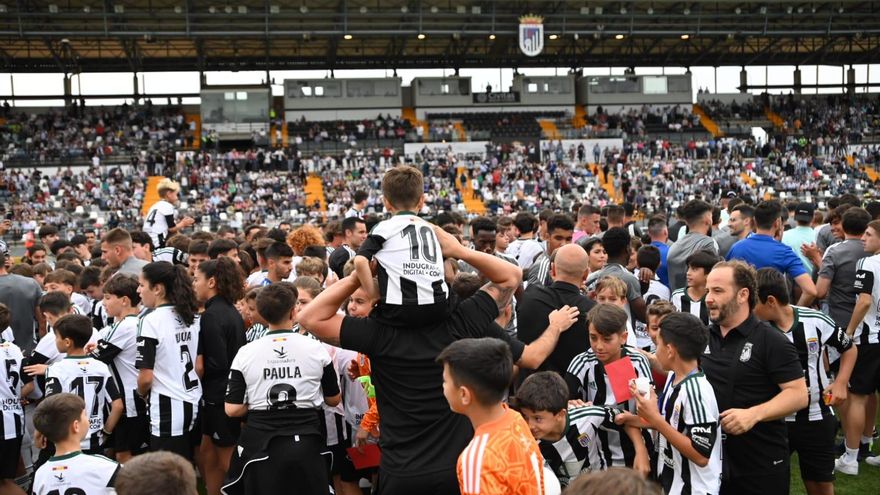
{"x": 866, "y": 483}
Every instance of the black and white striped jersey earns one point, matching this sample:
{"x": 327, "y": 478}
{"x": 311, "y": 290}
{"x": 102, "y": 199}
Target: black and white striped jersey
{"x": 169, "y": 347}
{"x": 117, "y": 348}
{"x": 283, "y": 378}
{"x": 811, "y": 333}
{"x": 98, "y": 314}
{"x": 411, "y": 271}
{"x": 254, "y": 332}
{"x": 90, "y": 379}
{"x": 581, "y": 449}
{"x": 587, "y": 380}
{"x": 171, "y": 255}
{"x": 76, "y": 473}
{"x": 683, "y": 302}
{"x": 690, "y": 407}
{"x": 656, "y": 292}
{"x": 867, "y": 282}
{"x": 11, "y": 380}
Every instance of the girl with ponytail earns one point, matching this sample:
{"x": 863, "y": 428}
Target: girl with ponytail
{"x": 168, "y": 342}
{"x": 218, "y": 284}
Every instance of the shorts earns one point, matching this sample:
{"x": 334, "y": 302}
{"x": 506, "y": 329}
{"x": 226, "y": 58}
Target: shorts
{"x": 181, "y": 445}
{"x": 865, "y": 378}
{"x": 10, "y": 453}
{"x": 132, "y": 435}
{"x": 814, "y": 443}
{"x": 220, "y": 428}
{"x": 763, "y": 484}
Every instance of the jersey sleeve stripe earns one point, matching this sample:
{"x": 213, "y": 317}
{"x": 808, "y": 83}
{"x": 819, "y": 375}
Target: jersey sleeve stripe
{"x": 479, "y": 462}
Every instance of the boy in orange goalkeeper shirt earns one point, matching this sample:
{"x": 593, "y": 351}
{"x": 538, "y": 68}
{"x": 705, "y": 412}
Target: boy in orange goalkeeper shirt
{"x": 503, "y": 457}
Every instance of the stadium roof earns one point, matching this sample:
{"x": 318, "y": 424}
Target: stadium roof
{"x": 157, "y": 35}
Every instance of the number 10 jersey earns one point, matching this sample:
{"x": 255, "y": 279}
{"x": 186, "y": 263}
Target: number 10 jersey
{"x": 411, "y": 269}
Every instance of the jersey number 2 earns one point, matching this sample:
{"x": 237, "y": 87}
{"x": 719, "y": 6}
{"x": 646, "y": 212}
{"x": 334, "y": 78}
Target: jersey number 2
{"x": 428, "y": 242}
{"x": 187, "y": 361}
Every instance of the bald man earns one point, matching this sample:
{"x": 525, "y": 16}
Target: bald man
{"x": 569, "y": 268}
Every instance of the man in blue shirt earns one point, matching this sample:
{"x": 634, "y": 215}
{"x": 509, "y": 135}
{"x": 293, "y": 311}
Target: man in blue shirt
{"x": 763, "y": 249}
{"x": 659, "y": 233}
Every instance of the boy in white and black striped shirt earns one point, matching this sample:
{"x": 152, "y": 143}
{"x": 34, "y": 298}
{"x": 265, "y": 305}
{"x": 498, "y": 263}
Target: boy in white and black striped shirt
{"x": 686, "y": 417}
{"x": 692, "y": 299}
{"x": 811, "y": 430}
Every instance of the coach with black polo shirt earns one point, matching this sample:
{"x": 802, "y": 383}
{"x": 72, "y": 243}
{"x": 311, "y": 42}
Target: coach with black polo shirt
{"x": 758, "y": 380}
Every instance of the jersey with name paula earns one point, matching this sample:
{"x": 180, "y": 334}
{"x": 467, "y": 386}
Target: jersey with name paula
{"x": 92, "y": 381}
{"x": 118, "y": 349}
{"x": 168, "y": 346}
{"x": 867, "y": 282}
{"x": 691, "y": 409}
{"x": 812, "y": 334}
{"x": 411, "y": 271}
{"x": 156, "y": 224}
{"x": 580, "y": 449}
{"x": 76, "y": 474}
{"x": 11, "y": 380}
{"x": 283, "y": 378}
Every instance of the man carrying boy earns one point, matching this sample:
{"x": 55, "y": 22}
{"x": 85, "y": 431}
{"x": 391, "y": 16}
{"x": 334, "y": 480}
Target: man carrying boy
{"x": 412, "y": 287}
{"x": 570, "y": 439}
{"x": 280, "y": 381}
{"x": 649, "y": 257}
{"x": 692, "y": 299}
{"x": 502, "y": 457}
{"x": 118, "y": 349}
{"x": 689, "y": 440}
{"x": 62, "y": 419}
{"x": 85, "y": 376}
{"x": 811, "y": 431}
{"x": 588, "y": 381}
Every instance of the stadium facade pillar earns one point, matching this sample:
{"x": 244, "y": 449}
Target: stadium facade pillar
{"x": 743, "y": 80}
{"x": 67, "y": 89}
{"x": 850, "y": 80}
{"x": 797, "y": 80}
{"x": 134, "y": 87}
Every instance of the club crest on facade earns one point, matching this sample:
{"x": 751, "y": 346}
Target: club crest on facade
{"x": 531, "y": 35}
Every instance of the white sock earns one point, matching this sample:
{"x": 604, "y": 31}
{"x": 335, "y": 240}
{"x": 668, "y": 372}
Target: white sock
{"x": 851, "y": 454}
{"x": 867, "y": 440}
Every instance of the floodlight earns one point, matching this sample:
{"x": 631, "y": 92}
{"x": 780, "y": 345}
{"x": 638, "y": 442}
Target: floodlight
{"x": 119, "y": 9}
{"x": 685, "y": 36}
{"x": 303, "y": 9}
{"x": 363, "y": 9}
{"x": 53, "y": 9}
{"x": 228, "y": 9}
{"x": 554, "y": 36}
{"x": 492, "y": 36}
{"x": 348, "y": 36}
{"x": 618, "y": 36}
{"x": 476, "y": 10}
{"x": 242, "y": 9}
{"x": 86, "y": 9}
{"x": 421, "y": 36}
{"x": 585, "y": 11}
{"x": 275, "y": 9}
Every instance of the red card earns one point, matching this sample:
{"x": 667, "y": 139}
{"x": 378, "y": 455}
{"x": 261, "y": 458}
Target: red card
{"x": 370, "y": 458}
{"x": 619, "y": 373}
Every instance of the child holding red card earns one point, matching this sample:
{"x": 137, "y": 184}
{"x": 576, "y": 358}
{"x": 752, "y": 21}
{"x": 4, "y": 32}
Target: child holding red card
{"x": 591, "y": 376}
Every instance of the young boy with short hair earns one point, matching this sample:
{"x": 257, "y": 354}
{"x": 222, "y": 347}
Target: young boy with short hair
{"x": 570, "y": 439}
{"x": 81, "y": 374}
{"x": 118, "y": 348}
{"x": 62, "y": 419}
{"x": 280, "y": 382}
{"x": 588, "y": 381}
{"x": 66, "y": 282}
{"x": 689, "y": 441}
{"x": 53, "y": 305}
{"x": 811, "y": 431}
{"x": 412, "y": 288}
{"x": 502, "y": 457}
{"x": 692, "y": 299}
